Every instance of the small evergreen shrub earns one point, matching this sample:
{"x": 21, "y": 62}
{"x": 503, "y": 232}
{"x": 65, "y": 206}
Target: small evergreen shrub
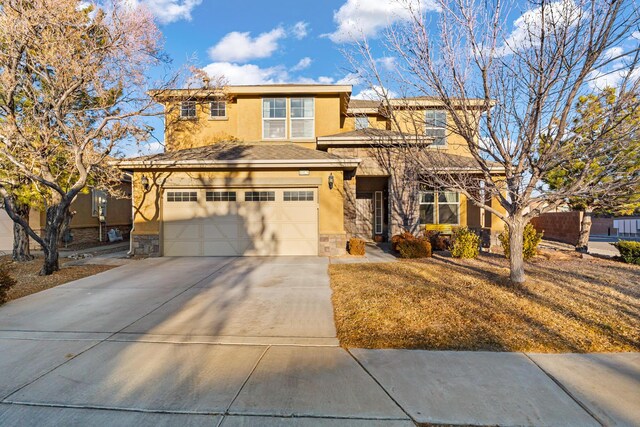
{"x": 629, "y": 251}
{"x": 414, "y": 248}
{"x": 530, "y": 244}
{"x": 466, "y": 243}
{"x": 6, "y": 282}
{"x": 356, "y": 246}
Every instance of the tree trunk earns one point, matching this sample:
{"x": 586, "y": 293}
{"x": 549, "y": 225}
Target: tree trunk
{"x": 516, "y": 244}
{"x": 585, "y": 232}
{"x": 55, "y": 219}
{"x": 21, "y": 251}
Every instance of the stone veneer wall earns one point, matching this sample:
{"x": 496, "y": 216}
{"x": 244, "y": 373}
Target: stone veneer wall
{"x": 332, "y": 244}
{"x": 146, "y": 244}
{"x": 561, "y": 226}
{"x": 92, "y": 234}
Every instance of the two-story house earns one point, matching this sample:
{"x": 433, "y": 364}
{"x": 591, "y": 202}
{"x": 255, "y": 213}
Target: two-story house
{"x": 288, "y": 170}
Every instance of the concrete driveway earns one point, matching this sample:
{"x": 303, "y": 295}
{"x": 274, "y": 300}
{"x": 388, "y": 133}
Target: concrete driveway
{"x": 252, "y": 342}
{"x": 185, "y": 340}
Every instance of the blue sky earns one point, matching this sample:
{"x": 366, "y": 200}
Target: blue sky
{"x": 288, "y": 41}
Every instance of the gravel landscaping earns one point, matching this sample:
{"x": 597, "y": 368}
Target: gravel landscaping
{"x": 568, "y": 304}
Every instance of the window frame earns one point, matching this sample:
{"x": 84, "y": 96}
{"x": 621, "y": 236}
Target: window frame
{"x": 270, "y": 196}
{"x": 211, "y": 109}
{"x": 185, "y": 196}
{"x": 298, "y": 196}
{"x": 274, "y": 119}
{"x": 220, "y": 196}
{"x": 182, "y": 110}
{"x": 431, "y": 124}
{"x": 361, "y": 118}
{"x": 312, "y": 119}
{"x": 436, "y": 206}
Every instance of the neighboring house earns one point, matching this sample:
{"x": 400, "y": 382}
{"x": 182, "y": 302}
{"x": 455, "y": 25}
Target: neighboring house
{"x": 6, "y": 232}
{"x": 288, "y": 170}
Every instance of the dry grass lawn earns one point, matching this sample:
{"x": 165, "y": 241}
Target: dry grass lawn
{"x": 29, "y": 282}
{"x": 571, "y": 305}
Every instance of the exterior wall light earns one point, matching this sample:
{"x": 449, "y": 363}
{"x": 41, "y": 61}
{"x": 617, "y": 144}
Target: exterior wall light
{"x": 145, "y": 183}
{"x": 331, "y": 181}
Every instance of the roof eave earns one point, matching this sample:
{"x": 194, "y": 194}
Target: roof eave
{"x": 238, "y": 164}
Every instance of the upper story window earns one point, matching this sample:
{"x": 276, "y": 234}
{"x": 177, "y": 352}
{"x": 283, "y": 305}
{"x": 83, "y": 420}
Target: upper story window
{"x": 274, "y": 118}
{"x": 362, "y": 123}
{"x": 440, "y": 207}
{"x": 302, "y": 118}
{"x": 218, "y": 109}
{"x": 188, "y": 109}
{"x": 436, "y": 126}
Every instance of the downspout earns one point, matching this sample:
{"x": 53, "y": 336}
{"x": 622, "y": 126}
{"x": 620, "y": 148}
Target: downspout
{"x": 133, "y": 216}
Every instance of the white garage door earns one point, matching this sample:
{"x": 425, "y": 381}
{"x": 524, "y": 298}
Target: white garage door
{"x": 222, "y": 222}
{"x": 6, "y": 232}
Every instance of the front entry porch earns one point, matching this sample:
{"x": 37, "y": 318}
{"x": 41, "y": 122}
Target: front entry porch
{"x": 371, "y": 209}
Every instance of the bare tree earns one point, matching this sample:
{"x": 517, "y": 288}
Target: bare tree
{"x": 72, "y": 89}
{"x": 510, "y": 92}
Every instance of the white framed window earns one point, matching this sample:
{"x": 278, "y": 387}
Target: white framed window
{"x": 274, "y": 118}
{"x": 302, "y": 118}
{"x": 98, "y": 203}
{"x": 362, "y": 122}
{"x": 188, "y": 109}
{"x": 436, "y": 126}
{"x": 221, "y": 196}
{"x": 298, "y": 196}
{"x": 260, "y": 196}
{"x": 182, "y": 196}
{"x": 378, "y": 202}
{"x": 439, "y": 207}
{"x": 218, "y": 109}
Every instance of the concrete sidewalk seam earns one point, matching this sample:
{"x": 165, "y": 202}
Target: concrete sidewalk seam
{"x": 567, "y": 392}
{"x": 4, "y": 398}
{"x": 109, "y": 408}
{"x": 314, "y": 416}
{"x": 246, "y": 380}
{"x": 380, "y": 385}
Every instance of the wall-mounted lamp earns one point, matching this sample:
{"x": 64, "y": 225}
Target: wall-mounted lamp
{"x": 145, "y": 183}
{"x": 331, "y": 181}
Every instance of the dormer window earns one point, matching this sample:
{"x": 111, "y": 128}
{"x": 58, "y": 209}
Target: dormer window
{"x": 188, "y": 109}
{"x": 436, "y": 126}
{"x": 362, "y": 122}
{"x": 302, "y": 118}
{"x": 218, "y": 109}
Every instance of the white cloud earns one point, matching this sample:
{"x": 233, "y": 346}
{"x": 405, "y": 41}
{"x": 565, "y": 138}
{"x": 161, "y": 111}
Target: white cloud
{"x": 154, "y": 147}
{"x": 358, "y": 18}
{"x": 350, "y": 79}
{"x": 300, "y": 30}
{"x": 528, "y": 27}
{"x": 614, "y": 77}
{"x": 635, "y": 35}
{"x": 168, "y": 11}
{"x": 247, "y": 74}
{"x": 388, "y": 62}
{"x": 375, "y": 93}
{"x": 612, "y": 53}
{"x": 304, "y": 63}
{"x": 241, "y": 47}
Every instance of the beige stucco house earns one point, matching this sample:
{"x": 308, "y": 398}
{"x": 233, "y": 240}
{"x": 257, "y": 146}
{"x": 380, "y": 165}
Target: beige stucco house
{"x": 286, "y": 170}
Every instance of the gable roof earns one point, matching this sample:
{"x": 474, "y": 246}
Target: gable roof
{"x": 243, "y": 155}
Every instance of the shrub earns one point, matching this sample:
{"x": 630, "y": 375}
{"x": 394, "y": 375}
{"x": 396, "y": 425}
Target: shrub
{"x": 629, "y": 251}
{"x": 466, "y": 243}
{"x": 438, "y": 241}
{"x": 414, "y": 248}
{"x": 530, "y": 244}
{"x": 405, "y": 235}
{"x": 356, "y": 246}
{"x": 6, "y": 282}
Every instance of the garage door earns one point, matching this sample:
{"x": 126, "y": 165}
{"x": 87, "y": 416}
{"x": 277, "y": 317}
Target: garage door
{"x": 6, "y": 231}
{"x": 223, "y": 222}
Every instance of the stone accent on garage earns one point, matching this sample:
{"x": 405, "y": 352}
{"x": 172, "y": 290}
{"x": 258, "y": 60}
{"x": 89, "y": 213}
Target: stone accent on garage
{"x": 146, "y": 244}
{"x": 332, "y": 244}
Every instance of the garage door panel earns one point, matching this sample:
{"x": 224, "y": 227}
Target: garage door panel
{"x": 182, "y": 230}
{"x": 251, "y": 228}
{"x": 183, "y": 248}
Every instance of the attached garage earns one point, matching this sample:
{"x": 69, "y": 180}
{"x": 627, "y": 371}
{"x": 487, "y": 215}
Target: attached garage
{"x": 6, "y": 232}
{"x": 240, "y": 221}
